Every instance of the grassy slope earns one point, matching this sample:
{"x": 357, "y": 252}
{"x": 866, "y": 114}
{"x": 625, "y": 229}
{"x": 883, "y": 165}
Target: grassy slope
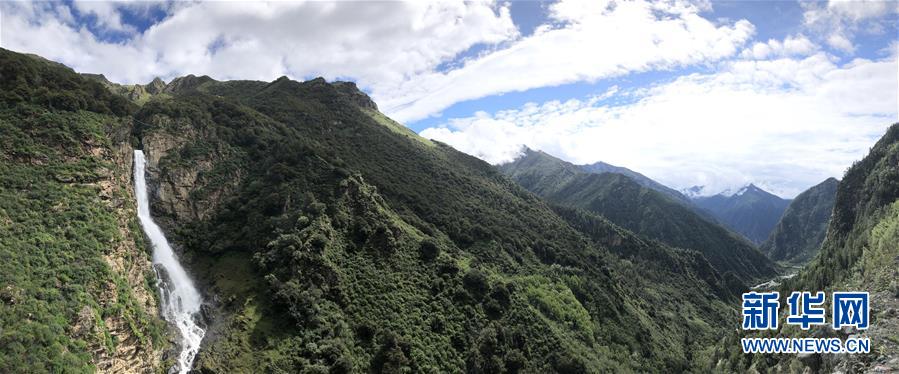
{"x": 373, "y": 249}
{"x": 641, "y": 209}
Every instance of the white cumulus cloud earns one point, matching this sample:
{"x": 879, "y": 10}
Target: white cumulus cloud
{"x": 838, "y": 21}
{"x": 365, "y": 41}
{"x": 415, "y": 58}
{"x": 784, "y": 123}
{"x": 592, "y": 40}
{"x": 798, "y": 45}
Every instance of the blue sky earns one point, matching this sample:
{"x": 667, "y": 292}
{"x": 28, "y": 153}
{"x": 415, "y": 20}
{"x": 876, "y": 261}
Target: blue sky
{"x": 782, "y": 94}
{"x": 772, "y": 20}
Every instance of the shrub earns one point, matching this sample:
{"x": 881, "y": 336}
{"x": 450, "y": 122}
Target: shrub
{"x": 429, "y": 249}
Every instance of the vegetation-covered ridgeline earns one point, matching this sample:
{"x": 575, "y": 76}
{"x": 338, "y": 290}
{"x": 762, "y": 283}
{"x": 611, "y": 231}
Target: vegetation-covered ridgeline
{"x": 74, "y": 275}
{"x": 337, "y": 240}
{"x": 600, "y": 167}
{"x": 860, "y": 253}
{"x": 646, "y": 211}
{"x": 332, "y": 239}
{"x": 865, "y": 200}
{"x": 800, "y": 232}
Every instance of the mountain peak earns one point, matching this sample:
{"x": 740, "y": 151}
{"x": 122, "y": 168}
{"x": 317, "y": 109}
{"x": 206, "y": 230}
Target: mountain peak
{"x": 156, "y": 86}
{"x": 693, "y": 192}
{"x": 749, "y": 188}
{"x": 186, "y": 82}
{"x": 97, "y": 77}
{"x": 750, "y": 211}
{"x": 753, "y": 190}
{"x": 526, "y": 153}
{"x": 355, "y": 94}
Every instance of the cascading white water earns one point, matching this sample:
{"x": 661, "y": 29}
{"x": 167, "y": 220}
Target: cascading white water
{"x": 180, "y": 299}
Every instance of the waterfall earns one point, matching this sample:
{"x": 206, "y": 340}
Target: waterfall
{"x": 180, "y": 299}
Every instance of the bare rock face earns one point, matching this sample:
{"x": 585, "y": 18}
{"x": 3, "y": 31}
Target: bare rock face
{"x": 171, "y": 188}
{"x": 155, "y": 87}
{"x": 135, "y": 93}
{"x": 172, "y": 136}
{"x": 172, "y": 181}
{"x": 169, "y": 194}
{"x": 356, "y": 96}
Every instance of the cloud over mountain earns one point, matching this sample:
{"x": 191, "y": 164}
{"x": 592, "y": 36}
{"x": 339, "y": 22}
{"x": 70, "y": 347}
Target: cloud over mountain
{"x": 415, "y": 58}
{"x": 789, "y": 121}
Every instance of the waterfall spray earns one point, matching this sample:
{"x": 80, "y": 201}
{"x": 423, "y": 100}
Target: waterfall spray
{"x": 180, "y": 299}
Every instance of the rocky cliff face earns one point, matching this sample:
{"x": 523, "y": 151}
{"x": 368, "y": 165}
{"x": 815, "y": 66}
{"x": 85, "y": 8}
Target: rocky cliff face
{"x": 358, "y": 97}
{"x": 156, "y": 86}
{"x": 174, "y": 183}
{"x": 132, "y": 350}
{"x": 169, "y": 192}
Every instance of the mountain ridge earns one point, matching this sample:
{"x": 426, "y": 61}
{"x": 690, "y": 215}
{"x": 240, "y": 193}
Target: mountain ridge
{"x": 859, "y": 253}
{"x": 332, "y": 239}
{"x": 343, "y": 223}
{"x": 602, "y": 167}
{"x": 750, "y": 211}
{"x": 645, "y": 211}
{"x": 697, "y": 191}
{"x": 801, "y": 231}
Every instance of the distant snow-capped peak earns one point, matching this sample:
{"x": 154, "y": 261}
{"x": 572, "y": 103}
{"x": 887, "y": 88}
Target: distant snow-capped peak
{"x": 748, "y": 188}
{"x": 696, "y": 192}
{"x": 730, "y": 192}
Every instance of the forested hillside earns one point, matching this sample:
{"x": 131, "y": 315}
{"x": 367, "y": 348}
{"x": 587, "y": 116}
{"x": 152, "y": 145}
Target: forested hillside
{"x": 337, "y": 239}
{"x": 640, "y": 209}
{"x": 602, "y": 167}
{"x": 329, "y": 238}
{"x": 862, "y": 230}
{"x": 859, "y": 254}
{"x": 800, "y": 232}
{"x": 74, "y": 290}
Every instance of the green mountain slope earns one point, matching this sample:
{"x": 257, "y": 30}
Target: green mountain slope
{"x": 751, "y": 212}
{"x": 602, "y": 167}
{"x": 862, "y": 223}
{"x": 800, "y": 232}
{"x": 74, "y": 295}
{"x": 640, "y": 209}
{"x": 337, "y": 239}
{"x": 859, "y": 253}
